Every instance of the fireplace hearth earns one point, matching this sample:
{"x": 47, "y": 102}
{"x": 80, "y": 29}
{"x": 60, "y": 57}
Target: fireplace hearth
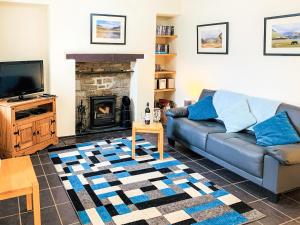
{"x": 102, "y": 111}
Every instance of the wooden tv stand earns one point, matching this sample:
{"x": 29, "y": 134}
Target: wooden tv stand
{"x": 27, "y": 126}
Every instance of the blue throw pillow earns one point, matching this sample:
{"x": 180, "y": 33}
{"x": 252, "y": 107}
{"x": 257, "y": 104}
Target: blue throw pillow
{"x": 202, "y": 110}
{"x": 276, "y": 131}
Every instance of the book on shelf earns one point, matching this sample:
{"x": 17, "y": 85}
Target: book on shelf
{"x": 162, "y": 30}
{"x": 162, "y": 49}
{"x": 156, "y": 84}
{"x": 162, "y": 83}
{"x": 171, "y": 83}
{"x": 164, "y": 71}
{"x": 158, "y": 67}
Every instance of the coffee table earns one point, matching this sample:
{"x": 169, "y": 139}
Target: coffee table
{"x": 153, "y": 128}
{"x": 17, "y": 178}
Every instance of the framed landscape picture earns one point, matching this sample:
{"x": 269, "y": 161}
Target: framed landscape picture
{"x": 213, "y": 38}
{"x": 108, "y": 29}
{"x": 282, "y": 35}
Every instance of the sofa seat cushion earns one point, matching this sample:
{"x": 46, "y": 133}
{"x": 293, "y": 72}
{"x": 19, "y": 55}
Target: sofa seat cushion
{"x": 195, "y": 132}
{"x": 285, "y": 154}
{"x": 238, "y": 149}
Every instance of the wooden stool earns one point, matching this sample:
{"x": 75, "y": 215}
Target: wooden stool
{"x": 153, "y": 128}
{"x": 17, "y": 178}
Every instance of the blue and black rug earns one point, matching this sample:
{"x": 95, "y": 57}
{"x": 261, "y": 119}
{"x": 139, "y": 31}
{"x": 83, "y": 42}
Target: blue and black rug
{"x": 106, "y": 186}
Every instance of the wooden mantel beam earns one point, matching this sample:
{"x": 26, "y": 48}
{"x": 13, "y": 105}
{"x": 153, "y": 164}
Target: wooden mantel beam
{"x": 105, "y": 57}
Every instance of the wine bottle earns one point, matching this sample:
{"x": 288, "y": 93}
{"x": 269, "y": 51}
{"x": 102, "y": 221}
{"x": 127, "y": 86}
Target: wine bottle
{"x": 147, "y": 114}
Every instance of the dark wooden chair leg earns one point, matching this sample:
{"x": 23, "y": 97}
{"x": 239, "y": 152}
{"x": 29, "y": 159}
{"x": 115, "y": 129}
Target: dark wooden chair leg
{"x": 274, "y": 198}
{"x": 171, "y": 142}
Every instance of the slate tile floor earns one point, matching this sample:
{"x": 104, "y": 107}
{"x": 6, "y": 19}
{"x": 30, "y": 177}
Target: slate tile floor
{"x": 56, "y": 209}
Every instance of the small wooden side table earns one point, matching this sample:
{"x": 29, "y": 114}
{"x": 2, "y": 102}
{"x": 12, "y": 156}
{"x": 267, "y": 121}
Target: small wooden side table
{"x": 154, "y": 128}
{"x": 17, "y": 178}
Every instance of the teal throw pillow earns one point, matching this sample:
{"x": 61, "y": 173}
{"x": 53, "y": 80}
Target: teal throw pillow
{"x": 202, "y": 110}
{"x": 277, "y": 130}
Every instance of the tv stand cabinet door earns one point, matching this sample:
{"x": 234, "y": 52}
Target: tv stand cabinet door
{"x": 44, "y": 129}
{"x": 25, "y": 136}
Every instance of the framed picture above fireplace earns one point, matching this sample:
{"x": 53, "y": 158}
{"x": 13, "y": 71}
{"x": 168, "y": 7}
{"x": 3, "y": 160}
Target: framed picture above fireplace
{"x": 108, "y": 29}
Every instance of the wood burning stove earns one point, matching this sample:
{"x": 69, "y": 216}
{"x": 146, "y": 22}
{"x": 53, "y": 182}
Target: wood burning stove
{"x": 102, "y": 111}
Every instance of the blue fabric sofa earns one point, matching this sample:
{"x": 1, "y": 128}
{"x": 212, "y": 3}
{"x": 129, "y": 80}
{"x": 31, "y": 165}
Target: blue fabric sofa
{"x": 275, "y": 168}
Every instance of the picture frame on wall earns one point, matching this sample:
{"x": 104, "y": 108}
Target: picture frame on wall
{"x": 213, "y": 38}
{"x": 282, "y": 35}
{"x": 108, "y": 29}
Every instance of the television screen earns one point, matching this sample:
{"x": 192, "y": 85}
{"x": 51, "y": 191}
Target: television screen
{"x": 21, "y": 78}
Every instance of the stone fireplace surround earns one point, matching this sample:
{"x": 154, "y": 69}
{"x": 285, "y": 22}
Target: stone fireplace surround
{"x": 98, "y": 79}
{"x": 102, "y": 75}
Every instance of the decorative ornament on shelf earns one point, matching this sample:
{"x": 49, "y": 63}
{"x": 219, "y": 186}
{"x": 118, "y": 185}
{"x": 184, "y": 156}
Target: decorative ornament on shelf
{"x": 81, "y": 111}
{"x": 156, "y": 115}
{"x": 147, "y": 114}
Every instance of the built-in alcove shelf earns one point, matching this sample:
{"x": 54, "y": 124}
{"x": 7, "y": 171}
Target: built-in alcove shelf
{"x": 164, "y": 90}
{"x": 165, "y": 72}
{"x": 165, "y": 62}
{"x": 165, "y": 58}
{"x": 166, "y": 55}
{"x": 166, "y": 36}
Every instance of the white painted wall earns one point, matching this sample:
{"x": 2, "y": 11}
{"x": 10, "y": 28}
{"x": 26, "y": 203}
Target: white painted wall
{"x": 245, "y": 69}
{"x": 69, "y": 32}
{"x": 24, "y": 33}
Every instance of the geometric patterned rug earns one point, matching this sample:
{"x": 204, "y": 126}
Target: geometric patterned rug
{"x": 106, "y": 186}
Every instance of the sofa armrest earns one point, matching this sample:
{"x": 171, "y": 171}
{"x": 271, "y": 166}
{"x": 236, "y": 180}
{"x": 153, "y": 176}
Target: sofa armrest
{"x": 285, "y": 154}
{"x": 280, "y": 178}
{"x": 177, "y": 112}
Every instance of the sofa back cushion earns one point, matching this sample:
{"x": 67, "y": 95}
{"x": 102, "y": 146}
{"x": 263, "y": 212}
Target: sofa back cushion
{"x": 236, "y": 119}
{"x": 262, "y": 108}
{"x": 205, "y": 93}
{"x": 224, "y": 100}
{"x": 293, "y": 114}
{"x": 292, "y": 111}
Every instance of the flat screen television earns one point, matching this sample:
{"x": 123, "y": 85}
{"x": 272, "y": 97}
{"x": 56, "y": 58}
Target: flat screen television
{"x": 21, "y": 78}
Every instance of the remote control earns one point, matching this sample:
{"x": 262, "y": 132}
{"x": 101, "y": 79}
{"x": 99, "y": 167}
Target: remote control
{"x": 45, "y": 95}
